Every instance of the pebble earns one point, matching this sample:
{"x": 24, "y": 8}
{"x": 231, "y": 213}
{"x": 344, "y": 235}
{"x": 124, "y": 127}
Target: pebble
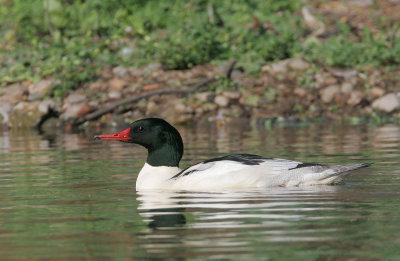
{"x": 301, "y": 92}
{"x": 387, "y": 103}
{"x": 46, "y": 105}
{"x": 329, "y": 93}
{"x": 73, "y": 111}
{"x": 39, "y": 90}
{"x": 85, "y": 109}
{"x": 377, "y": 92}
{"x": 275, "y": 68}
{"x": 284, "y": 65}
{"x": 233, "y": 95}
{"x": 346, "y": 87}
{"x": 128, "y": 30}
{"x": 325, "y": 79}
{"x": 298, "y": 64}
{"x": 29, "y": 114}
{"x": 204, "y": 96}
{"x": 120, "y": 71}
{"x": 117, "y": 83}
{"x": 75, "y": 97}
{"x": 182, "y": 108}
{"x": 114, "y": 95}
{"x": 13, "y": 93}
{"x": 346, "y": 74}
{"x": 221, "y": 101}
{"x": 355, "y": 98}
{"x": 96, "y": 85}
{"x": 126, "y": 51}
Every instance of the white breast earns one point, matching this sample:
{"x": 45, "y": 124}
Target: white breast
{"x": 151, "y": 177}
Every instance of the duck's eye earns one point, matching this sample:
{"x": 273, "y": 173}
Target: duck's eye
{"x": 140, "y": 129}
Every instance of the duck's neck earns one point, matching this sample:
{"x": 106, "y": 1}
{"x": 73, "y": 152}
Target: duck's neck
{"x": 168, "y": 155}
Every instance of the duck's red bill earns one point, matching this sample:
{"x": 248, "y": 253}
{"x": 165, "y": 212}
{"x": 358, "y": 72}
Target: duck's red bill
{"x": 121, "y": 136}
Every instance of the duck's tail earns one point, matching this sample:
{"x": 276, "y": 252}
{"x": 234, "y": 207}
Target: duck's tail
{"x": 336, "y": 174}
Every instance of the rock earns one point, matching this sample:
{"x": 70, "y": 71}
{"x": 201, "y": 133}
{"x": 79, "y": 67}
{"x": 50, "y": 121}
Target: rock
{"x": 298, "y": 64}
{"x": 361, "y": 3}
{"x": 355, "y": 98}
{"x": 128, "y": 30}
{"x": 46, "y": 106}
{"x": 377, "y": 92}
{"x": 182, "y": 108}
{"x": 300, "y": 92}
{"x": 221, "y": 101}
{"x": 74, "y": 111}
{"x": 344, "y": 73}
{"x": 13, "y": 93}
{"x": 5, "y": 109}
{"x": 126, "y": 51}
{"x": 75, "y": 97}
{"x": 14, "y": 90}
{"x": 339, "y": 99}
{"x": 151, "y": 106}
{"x": 38, "y": 90}
{"x": 96, "y": 85}
{"x": 329, "y": 93}
{"x": 316, "y": 26}
{"x": 330, "y": 80}
{"x": 209, "y": 107}
{"x": 346, "y": 87}
{"x": 30, "y": 114}
{"x": 236, "y": 111}
{"x": 275, "y": 68}
{"x": 204, "y": 96}
{"x": 94, "y": 103}
{"x": 75, "y": 106}
{"x": 114, "y": 95}
{"x": 284, "y": 65}
{"x": 236, "y": 74}
{"x": 117, "y": 84}
{"x": 325, "y": 79}
{"x": 232, "y": 95}
{"x": 388, "y": 103}
{"x": 249, "y": 100}
{"x": 171, "y": 109}
{"x": 85, "y": 109}
{"x": 120, "y": 71}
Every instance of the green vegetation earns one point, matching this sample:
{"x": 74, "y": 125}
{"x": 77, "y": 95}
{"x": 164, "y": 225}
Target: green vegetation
{"x": 339, "y": 51}
{"x": 71, "y": 39}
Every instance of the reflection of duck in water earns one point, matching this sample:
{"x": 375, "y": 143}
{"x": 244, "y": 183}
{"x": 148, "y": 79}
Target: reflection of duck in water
{"x": 161, "y": 208}
{"x": 237, "y": 171}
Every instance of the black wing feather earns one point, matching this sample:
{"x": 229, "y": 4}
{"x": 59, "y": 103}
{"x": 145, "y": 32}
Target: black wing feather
{"x": 247, "y": 159}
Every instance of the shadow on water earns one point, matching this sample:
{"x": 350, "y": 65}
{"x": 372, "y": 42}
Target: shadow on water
{"x": 65, "y": 196}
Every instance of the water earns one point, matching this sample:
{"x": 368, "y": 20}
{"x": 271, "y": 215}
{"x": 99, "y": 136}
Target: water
{"x": 67, "y": 197}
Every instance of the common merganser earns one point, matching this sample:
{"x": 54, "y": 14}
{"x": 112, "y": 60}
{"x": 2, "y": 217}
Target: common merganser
{"x": 236, "y": 171}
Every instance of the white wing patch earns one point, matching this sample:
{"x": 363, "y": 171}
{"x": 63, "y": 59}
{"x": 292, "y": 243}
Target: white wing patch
{"x": 275, "y": 166}
{"x": 279, "y": 165}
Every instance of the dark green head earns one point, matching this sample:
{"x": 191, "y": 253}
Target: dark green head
{"x": 161, "y": 139}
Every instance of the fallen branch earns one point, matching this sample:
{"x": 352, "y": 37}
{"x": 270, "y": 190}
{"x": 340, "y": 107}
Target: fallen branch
{"x": 96, "y": 114}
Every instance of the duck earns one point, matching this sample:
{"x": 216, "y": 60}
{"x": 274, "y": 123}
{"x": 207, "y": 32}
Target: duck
{"x": 236, "y": 171}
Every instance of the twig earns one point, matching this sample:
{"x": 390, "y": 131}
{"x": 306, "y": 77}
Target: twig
{"x": 96, "y": 114}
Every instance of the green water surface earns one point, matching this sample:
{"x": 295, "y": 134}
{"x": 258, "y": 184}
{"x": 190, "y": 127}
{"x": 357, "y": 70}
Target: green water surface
{"x": 67, "y": 197}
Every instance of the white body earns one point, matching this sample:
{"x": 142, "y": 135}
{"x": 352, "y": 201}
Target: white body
{"x": 228, "y": 174}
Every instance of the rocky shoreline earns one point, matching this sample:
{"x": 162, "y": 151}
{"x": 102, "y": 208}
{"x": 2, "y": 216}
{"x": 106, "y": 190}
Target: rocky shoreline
{"x": 288, "y": 89}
